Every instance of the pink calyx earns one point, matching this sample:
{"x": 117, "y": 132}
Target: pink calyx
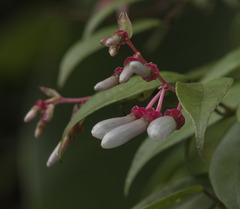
{"x": 130, "y": 59}
{"x": 124, "y": 36}
{"x": 151, "y": 114}
{"x": 118, "y": 70}
{"x": 138, "y": 112}
{"x": 155, "y": 72}
{"x": 178, "y": 117}
{"x": 41, "y": 104}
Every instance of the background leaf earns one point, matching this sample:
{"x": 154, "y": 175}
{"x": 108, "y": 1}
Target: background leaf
{"x": 199, "y": 100}
{"x": 99, "y": 16}
{"x": 224, "y": 66}
{"x": 225, "y": 169}
{"x": 213, "y": 136}
{"x": 167, "y": 190}
{"x": 174, "y": 198}
{"x": 150, "y": 148}
{"x": 85, "y": 47}
{"x": 238, "y": 114}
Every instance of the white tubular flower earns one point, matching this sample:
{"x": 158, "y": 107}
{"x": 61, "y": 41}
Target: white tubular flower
{"x": 126, "y": 74}
{"x": 124, "y": 133}
{"x": 107, "y": 83}
{"x": 101, "y": 128}
{"x": 140, "y": 69}
{"x": 160, "y": 128}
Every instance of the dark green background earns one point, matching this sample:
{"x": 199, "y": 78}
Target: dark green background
{"x": 34, "y": 36}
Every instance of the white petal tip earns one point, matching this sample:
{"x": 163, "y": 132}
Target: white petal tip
{"x": 53, "y": 158}
{"x": 96, "y": 134}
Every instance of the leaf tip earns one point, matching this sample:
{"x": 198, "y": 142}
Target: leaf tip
{"x": 200, "y": 143}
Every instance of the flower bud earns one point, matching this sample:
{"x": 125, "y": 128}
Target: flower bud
{"x": 103, "y": 127}
{"x": 160, "y": 128}
{"x": 126, "y": 74}
{"x": 116, "y": 39}
{"x": 32, "y": 113}
{"x": 113, "y": 50}
{"x": 48, "y": 113}
{"x": 107, "y": 83}
{"x": 54, "y": 157}
{"x": 123, "y": 133}
{"x": 140, "y": 69}
{"x": 49, "y": 92}
{"x": 40, "y": 128}
{"x": 125, "y": 24}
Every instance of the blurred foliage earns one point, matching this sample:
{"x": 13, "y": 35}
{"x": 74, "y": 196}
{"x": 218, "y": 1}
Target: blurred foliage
{"x": 200, "y": 40}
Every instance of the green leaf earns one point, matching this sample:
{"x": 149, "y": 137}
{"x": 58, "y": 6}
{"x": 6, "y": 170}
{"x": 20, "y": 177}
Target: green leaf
{"x": 224, "y": 66}
{"x": 150, "y": 149}
{"x": 225, "y": 169}
{"x": 196, "y": 201}
{"x": 131, "y": 89}
{"x": 174, "y": 198}
{"x": 238, "y": 114}
{"x": 214, "y": 135}
{"x": 83, "y": 48}
{"x": 79, "y": 51}
{"x": 98, "y": 17}
{"x": 199, "y": 100}
{"x": 163, "y": 192}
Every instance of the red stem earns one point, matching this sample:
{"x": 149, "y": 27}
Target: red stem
{"x": 179, "y": 107}
{"x": 170, "y": 87}
{"x": 136, "y": 51}
{"x": 160, "y": 101}
{"x": 71, "y": 100}
{"x": 154, "y": 99}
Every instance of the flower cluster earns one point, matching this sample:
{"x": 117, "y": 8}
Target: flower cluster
{"x": 116, "y": 131}
{"x": 45, "y": 108}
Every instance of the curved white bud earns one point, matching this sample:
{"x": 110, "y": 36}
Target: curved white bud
{"x": 113, "y": 40}
{"x": 39, "y": 129}
{"x": 123, "y": 133}
{"x": 32, "y": 113}
{"x": 48, "y": 114}
{"x": 125, "y": 74}
{"x": 54, "y": 157}
{"x": 125, "y": 24}
{"x": 140, "y": 69}
{"x": 103, "y": 127}
{"x": 113, "y": 50}
{"x": 107, "y": 83}
{"x": 161, "y": 128}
